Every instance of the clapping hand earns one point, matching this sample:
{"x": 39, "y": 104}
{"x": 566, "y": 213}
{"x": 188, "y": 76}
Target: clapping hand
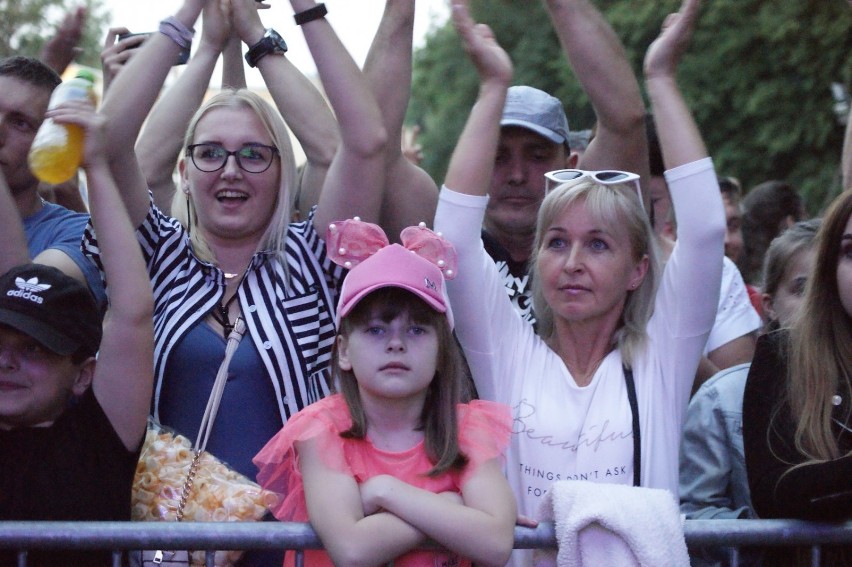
{"x": 664, "y": 53}
{"x": 491, "y": 61}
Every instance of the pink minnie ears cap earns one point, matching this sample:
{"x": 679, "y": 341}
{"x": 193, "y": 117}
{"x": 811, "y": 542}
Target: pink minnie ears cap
{"x": 419, "y": 267}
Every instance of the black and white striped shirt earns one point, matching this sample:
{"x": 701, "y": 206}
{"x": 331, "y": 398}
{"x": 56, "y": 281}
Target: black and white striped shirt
{"x": 289, "y": 313}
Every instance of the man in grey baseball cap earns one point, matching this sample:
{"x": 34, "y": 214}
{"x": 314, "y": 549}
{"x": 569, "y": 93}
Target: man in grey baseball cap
{"x": 534, "y": 139}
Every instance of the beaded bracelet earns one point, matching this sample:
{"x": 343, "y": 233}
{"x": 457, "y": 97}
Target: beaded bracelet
{"x": 174, "y": 29}
{"x": 311, "y": 14}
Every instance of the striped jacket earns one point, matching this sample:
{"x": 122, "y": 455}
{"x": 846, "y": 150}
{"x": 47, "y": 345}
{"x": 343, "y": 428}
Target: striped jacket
{"x": 289, "y": 314}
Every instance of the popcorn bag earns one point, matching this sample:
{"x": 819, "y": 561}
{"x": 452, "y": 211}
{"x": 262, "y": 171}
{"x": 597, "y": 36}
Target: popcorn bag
{"x": 172, "y": 484}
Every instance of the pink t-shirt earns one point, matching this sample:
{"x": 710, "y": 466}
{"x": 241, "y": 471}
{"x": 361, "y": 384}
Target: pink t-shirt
{"x": 484, "y": 429}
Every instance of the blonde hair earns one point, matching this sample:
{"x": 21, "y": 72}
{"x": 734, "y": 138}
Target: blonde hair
{"x": 611, "y": 205}
{"x": 275, "y": 237}
{"x": 820, "y": 348}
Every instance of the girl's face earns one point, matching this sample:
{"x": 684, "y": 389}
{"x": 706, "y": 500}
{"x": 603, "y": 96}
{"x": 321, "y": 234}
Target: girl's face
{"x": 394, "y": 359}
{"x": 844, "y": 268}
{"x": 232, "y": 203}
{"x": 783, "y": 305}
{"x": 587, "y": 268}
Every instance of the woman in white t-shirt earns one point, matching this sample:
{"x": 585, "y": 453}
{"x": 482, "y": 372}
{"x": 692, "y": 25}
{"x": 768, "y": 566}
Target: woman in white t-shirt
{"x": 599, "y": 391}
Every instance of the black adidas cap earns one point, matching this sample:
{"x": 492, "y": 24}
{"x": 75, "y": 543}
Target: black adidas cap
{"x": 52, "y": 308}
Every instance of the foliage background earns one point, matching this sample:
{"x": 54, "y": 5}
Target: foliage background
{"x": 757, "y": 77}
{"x": 27, "y": 24}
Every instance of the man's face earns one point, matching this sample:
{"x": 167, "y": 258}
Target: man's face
{"x": 517, "y": 186}
{"x": 35, "y": 382}
{"x": 22, "y": 108}
{"x": 734, "y": 233}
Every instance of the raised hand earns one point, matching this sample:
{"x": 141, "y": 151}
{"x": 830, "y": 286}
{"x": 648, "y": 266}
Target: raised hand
{"x": 246, "y": 20}
{"x": 664, "y": 53}
{"x": 490, "y": 60}
{"x": 116, "y": 53}
{"x": 62, "y": 48}
{"x": 216, "y": 24}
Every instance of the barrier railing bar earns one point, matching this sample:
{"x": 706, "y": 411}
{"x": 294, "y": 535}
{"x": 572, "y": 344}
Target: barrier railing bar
{"x": 280, "y": 535}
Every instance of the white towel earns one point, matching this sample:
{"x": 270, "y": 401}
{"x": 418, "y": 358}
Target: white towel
{"x": 600, "y": 525}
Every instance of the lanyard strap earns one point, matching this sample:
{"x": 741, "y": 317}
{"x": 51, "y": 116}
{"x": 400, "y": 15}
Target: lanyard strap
{"x": 637, "y": 438}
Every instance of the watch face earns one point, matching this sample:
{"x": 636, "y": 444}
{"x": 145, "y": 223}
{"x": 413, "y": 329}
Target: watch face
{"x": 271, "y": 42}
{"x": 277, "y": 41}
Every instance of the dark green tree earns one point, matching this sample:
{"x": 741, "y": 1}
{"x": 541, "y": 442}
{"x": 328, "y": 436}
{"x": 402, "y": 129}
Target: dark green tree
{"x": 757, "y": 77}
{"x": 26, "y": 25}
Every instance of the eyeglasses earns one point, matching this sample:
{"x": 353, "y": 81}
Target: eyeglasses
{"x": 253, "y": 158}
{"x": 606, "y": 177}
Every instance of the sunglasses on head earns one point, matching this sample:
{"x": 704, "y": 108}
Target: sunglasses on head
{"x": 605, "y": 177}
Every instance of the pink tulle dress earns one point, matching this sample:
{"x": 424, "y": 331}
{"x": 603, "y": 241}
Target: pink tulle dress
{"x": 484, "y": 429}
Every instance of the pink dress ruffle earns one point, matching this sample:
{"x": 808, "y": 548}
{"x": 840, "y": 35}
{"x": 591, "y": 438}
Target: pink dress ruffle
{"x": 484, "y": 430}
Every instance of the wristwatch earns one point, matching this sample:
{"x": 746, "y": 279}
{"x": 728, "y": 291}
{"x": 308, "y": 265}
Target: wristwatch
{"x": 271, "y": 42}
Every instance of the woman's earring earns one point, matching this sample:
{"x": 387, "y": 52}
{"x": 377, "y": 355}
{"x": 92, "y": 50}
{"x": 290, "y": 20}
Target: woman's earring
{"x": 188, "y": 214}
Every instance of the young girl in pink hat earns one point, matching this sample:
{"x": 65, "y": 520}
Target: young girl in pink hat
{"x": 394, "y": 460}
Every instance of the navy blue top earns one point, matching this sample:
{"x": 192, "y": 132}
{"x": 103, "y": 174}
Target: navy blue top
{"x": 248, "y": 414}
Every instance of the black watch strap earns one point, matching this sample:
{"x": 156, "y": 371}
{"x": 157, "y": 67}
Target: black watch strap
{"x": 271, "y": 42}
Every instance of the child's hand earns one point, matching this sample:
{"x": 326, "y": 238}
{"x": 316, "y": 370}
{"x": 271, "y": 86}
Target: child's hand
{"x": 82, "y": 113}
{"x": 452, "y": 497}
{"x": 373, "y": 492}
{"x": 491, "y": 61}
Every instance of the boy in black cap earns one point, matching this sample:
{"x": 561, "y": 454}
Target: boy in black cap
{"x": 71, "y": 427}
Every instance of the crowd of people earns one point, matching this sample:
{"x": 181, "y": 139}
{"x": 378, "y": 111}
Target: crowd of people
{"x": 618, "y": 313}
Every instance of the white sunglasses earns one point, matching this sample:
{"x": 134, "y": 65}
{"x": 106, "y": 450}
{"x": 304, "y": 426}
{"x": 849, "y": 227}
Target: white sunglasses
{"x": 605, "y": 177}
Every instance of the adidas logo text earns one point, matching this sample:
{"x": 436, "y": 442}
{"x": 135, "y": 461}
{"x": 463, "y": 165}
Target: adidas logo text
{"x": 25, "y": 295}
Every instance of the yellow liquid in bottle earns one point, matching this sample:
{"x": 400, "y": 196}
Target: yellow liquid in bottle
{"x": 57, "y": 161}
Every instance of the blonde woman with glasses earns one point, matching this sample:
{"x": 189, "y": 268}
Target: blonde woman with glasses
{"x": 600, "y": 390}
{"x": 232, "y": 251}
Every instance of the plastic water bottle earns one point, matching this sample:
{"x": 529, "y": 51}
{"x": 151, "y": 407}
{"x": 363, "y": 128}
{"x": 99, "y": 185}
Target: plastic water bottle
{"x": 57, "y": 149}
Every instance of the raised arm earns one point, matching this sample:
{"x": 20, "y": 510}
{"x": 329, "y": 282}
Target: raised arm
{"x": 13, "y": 242}
{"x": 680, "y": 140}
{"x": 128, "y": 101}
{"x": 472, "y": 162}
{"x": 353, "y": 185}
{"x": 233, "y": 64}
{"x": 159, "y": 144}
{"x": 125, "y": 369}
{"x": 410, "y": 194}
{"x": 697, "y": 258}
{"x": 62, "y": 48}
{"x": 307, "y": 114}
{"x": 600, "y": 64}
{"x": 301, "y": 105}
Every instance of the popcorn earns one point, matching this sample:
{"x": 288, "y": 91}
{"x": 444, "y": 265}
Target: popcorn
{"x": 218, "y": 493}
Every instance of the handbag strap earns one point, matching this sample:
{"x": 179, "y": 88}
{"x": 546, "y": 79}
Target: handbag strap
{"x": 637, "y": 438}
{"x": 219, "y": 386}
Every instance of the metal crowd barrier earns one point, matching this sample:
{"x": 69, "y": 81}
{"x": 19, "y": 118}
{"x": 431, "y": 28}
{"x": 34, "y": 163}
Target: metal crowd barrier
{"x": 211, "y": 536}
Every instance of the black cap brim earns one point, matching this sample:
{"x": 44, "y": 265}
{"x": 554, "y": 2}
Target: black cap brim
{"x": 44, "y": 334}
